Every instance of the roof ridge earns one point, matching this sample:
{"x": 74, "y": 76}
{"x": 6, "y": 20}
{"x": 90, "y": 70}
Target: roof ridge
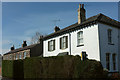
{"x": 96, "y": 18}
{"x": 100, "y": 16}
{"x": 22, "y": 48}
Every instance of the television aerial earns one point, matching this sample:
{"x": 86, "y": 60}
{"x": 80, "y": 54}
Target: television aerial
{"x": 55, "y": 21}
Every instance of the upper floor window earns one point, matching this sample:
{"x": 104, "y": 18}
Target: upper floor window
{"x": 24, "y": 55}
{"x": 114, "y": 61}
{"x": 80, "y": 38}
{"x": 108, "y": 61}
{"x": 10, "y": 56}
{"x": 64, "y": 42}
{"x": 51, "y": 45}
{"x": 109, "y": 36}
{"x": 16, "y": 56}
{"x": 20, "y": 56}
{"x": 6, "y": 57}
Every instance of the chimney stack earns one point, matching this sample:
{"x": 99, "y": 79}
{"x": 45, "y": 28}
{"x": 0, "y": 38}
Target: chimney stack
{"x": 56, "y": 29}
{"x": 41, "y": 39}
{"x": 81, "y": 14}
{"x": 24, "y": 44}
{"x": 12, "y": 48}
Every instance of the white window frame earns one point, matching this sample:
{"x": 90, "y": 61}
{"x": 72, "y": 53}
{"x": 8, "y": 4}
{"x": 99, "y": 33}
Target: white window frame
{"x": 10, "y": 56}
{"x": 16, "y": 56}
{"x": 63, "y": 45}
{"x": 20, "y": 56}
{"x": 80, "y": 39}
{"x": 51, "y": 45}
{"x": 24, "y": 55}
{"x": 64, "y": 42}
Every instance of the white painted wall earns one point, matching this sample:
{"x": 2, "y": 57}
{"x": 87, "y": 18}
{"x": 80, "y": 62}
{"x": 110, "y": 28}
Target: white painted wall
{"x": 105, "y": 47}
{"x": 57, "y": 50}
{"x": 119, "y": 50}
{"x": 91, "y": 42}
{"x": 95, "y": 44}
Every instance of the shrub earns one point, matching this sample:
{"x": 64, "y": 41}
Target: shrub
{"x": 53, "y": 67}
{"x": 62, "y": 67}
{"x": 12, "y": 68}
{"x": 7, "y": 68}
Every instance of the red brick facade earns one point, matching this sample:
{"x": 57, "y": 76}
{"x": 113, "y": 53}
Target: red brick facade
{"x": 17, "y": 55}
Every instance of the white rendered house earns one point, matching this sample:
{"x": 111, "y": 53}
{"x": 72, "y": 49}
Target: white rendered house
{"x": 97, "y": 36}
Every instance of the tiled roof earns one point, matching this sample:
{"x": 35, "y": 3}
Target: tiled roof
{"x": 22, "y": 48}
{"x": 97, "y": 18}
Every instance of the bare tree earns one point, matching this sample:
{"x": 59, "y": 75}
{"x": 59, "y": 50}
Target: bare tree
{"x": 36, "y": 38}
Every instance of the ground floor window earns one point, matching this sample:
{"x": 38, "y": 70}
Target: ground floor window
{"x": 24, "y": 55}
{"x": 20, "y": 55}
{"x": 114, "y": 61}
{"x": 108, "y": 61}
{"x": 16, "y": 56}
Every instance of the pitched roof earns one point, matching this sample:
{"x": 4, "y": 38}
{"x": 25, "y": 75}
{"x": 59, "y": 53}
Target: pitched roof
{"x": 22, "y": 48}
{"x": 97, "y": 18}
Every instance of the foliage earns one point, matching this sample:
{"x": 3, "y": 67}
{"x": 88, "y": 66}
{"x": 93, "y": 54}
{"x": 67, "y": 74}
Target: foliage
{"x": 62, "y": 67}
{"x": 7, "y": 68}
{"x": 36, "y": 38}
{"x": 53, "y": 67}
{"x": 12, "y": 68}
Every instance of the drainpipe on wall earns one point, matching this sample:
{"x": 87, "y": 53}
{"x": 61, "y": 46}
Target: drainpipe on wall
{"x": 70, "y": 43}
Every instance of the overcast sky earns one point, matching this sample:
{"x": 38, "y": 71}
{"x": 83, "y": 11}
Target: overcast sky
{"x": 20, "y": 20}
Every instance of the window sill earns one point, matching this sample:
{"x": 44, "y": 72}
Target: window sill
{"x": 63, "y": 48}
{"x": 110, "y": 44}
{"x": 51, "y": 51}
{"x": 80, "y": 45}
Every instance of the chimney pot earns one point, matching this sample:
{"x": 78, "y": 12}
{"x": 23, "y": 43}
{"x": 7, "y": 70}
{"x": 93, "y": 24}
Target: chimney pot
{"x": 79, "y": 5}
{"x": 56, "y": 29}
{"x": 82, "y": 5}
{"x": 24, "y": 44}
{"x": 12, "y": 48}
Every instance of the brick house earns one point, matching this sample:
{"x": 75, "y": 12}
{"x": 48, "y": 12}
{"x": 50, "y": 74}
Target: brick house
{"x": 25, "y": 51}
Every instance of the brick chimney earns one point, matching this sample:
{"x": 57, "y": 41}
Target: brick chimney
{"x": 56, "y": 29}
{"x": 41, "y": 39}
{"x": 12, "y": 48}
{"x": 24, "y": 44}
{"x": 81, "y": 14}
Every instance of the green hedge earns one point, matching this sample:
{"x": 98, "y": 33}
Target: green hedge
{"x": 12, "y": 69}
{"x": 62, "y": 67}
{"x": 89, "y": 69}
{"x": 7, "y": 69}
{"x": 52, "y": 67}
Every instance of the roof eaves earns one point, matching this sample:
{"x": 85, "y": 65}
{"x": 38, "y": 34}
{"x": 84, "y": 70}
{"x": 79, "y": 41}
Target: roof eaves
{"x": 21, "y": 49}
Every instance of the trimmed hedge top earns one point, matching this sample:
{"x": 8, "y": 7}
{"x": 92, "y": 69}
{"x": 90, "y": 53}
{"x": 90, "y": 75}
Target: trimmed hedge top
{"x": 54, "y": 67}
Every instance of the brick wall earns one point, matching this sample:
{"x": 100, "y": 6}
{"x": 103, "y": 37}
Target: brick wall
{"x": 17, "y": 55}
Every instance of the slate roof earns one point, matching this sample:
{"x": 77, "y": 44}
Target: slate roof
{"x": 22, "y": 48}
{"x": 92, "y": 20}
